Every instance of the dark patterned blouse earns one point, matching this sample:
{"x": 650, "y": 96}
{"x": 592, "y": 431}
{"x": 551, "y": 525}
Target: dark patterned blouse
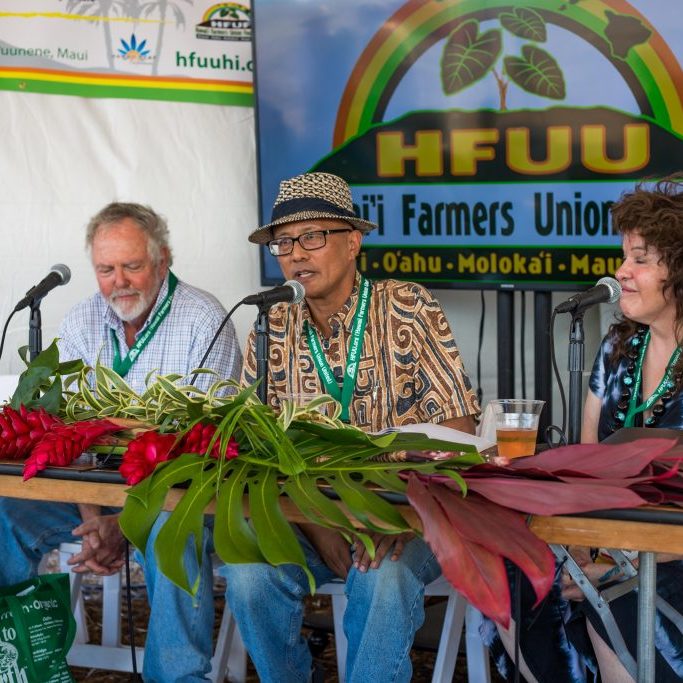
{"x": 607, "y": 383}
{"x": 410, "y": 369}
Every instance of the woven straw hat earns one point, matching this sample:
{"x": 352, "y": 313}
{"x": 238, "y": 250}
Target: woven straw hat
{"x": 310, "y": 196}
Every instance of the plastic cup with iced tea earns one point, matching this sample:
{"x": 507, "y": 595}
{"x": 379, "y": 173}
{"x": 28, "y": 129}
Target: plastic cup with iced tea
{"x": 516, "y": 426}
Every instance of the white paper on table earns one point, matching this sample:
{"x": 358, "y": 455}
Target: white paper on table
{"x": 443, "y": 433}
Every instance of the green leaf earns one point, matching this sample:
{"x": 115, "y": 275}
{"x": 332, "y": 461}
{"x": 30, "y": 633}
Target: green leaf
{"x": 51, "y": 400}
{"x": 34, "y": 378}
{"x": 524, "y": 23}
{"x": 234, "y": 540}
{"x": 171, "y": 389}
{"x": 289, "y": 459}
{"x": 276, "y": 539}
{"x": 468, "y": 56}
{"x": 186, "y": 522}
{"x": 389, "y": 481}
{"x": 23, "y": 352}
{"x": 370, "y": 509}
{"x": 145, "y": 500}
{"x": 70, "y": 367}
{"x": 47, "y": 358}
{"x": 303, "y": 491}
{"x": 456, "y": 478}
{"x": 28, "y": 388}
{"x": 115, "y": 381}
{"x": 537, "y": 72}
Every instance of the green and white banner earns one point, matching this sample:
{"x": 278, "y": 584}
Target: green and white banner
{"x": 185, "y": 51}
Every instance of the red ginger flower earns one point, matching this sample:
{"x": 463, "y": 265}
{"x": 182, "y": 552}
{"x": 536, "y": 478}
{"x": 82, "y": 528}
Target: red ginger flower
{"x": 144, "y": 453}
{"x": 198, "y": 438}
{"x": 149, "y": 449}
{"x": 21, "y": 430}
{"x": 64, "y": 443}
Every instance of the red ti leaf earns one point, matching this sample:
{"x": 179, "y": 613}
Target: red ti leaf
{"x": 472, "y": 569}
{"x": 598, "y": 460}
{"x": 540, "y": 497}
{"x": 502, "y": 531}
{"x": 470, "y": 536}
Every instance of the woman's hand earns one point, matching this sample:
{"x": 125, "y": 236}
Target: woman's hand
{"x": 597, "y": 573}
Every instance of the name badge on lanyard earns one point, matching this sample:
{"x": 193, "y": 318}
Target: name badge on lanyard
{"x": 121, "y": 366}
{"x": 343, "y": 394}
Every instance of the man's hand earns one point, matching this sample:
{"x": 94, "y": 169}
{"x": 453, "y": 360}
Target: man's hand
{"x": 383, "y": 543}
{"x": 103, "y": 546}
{"x": 331, "y": 546}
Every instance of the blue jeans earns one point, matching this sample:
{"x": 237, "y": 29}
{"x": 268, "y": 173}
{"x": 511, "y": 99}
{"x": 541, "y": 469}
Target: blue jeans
{"x": 179, "y": 641}
{"x": 28, "y": 530}
{"x": 385, "y": 609}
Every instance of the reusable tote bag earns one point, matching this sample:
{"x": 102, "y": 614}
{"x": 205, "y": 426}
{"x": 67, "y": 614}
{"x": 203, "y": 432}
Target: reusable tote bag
{"x": 37, "y": 629}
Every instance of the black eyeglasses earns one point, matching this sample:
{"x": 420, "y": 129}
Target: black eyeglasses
{"x": 310, "y": 241}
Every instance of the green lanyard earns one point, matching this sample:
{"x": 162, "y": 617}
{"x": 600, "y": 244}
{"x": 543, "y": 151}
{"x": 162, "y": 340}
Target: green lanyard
{"x": 633, "y": 408}
{"x": 360, "y": 320}
{"x": 121, "y": 366}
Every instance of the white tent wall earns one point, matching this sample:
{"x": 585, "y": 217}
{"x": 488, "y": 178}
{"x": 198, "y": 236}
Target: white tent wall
{"x": 63, "y": 158}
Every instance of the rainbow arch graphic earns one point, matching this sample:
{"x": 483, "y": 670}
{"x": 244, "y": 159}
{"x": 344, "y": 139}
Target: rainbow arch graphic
{"x": 215, "y": 9}
{"x": 651, "y": 70}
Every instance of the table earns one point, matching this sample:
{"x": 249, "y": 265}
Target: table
{"x": 647, "y": 530}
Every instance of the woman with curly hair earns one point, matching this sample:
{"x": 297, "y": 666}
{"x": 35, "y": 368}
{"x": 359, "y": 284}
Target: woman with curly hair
{"x": 636, "y": 382}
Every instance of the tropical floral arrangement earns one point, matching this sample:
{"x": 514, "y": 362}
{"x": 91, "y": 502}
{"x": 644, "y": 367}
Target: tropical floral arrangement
{"x": 224, "y": 449}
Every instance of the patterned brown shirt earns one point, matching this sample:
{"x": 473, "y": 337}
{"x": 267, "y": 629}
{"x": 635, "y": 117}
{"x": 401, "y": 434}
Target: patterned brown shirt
{"x": 410, "y": 369}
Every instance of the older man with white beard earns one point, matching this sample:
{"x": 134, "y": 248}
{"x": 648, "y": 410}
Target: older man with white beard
{"x": 143, "y": 320}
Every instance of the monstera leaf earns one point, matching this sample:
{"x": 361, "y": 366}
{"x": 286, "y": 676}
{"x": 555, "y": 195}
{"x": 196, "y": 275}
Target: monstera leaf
{"x": 468, "y": 56}
{"x": 537, "y": 72}
{"x": 524, "y": 23}
{"x": 300, "y": 456}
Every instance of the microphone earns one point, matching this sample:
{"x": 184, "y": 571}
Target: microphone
{"x": 59, "y": 275}
{"x": 292, "y": 292}
{"x": 606, "y": 291}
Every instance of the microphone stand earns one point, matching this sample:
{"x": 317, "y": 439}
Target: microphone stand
{"x": 261, "y": 329}
{"x": 35, "y": 334}
{"x": 576, "y": 363}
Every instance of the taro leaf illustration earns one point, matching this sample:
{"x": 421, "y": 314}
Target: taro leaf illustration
{"x": 468, "y": 55}
{"x": 524, "y": 23}
{"x": 537, "y": 72}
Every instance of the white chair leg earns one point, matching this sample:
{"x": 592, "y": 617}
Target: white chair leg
{"x": 237, "y": 660}
{"x": 478, "y": 661}
{"x": 459, "y": 614}
{"x": 110, "y": 654}
{"x": 230, "y": 656}
{"x": 111, "y": 610}
{"x": 449, "y": 642}
{"x": 338, "y": 608}
{"x": 66, "y": 550}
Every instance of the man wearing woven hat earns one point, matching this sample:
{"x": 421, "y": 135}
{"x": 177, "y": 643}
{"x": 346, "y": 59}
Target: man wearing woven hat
{"x": 384, "y": 350}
